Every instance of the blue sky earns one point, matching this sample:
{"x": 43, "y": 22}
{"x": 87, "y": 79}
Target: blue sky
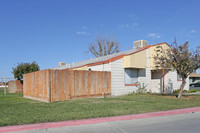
{"x": 50, "y": 31}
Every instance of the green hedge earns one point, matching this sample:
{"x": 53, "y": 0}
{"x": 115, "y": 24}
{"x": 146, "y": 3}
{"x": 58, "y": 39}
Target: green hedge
{"x": 185, "y": 91}
{"x": 177, "y": 91}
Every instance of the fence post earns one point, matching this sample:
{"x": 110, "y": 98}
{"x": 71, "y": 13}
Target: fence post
{"x": 103, "y": 83}
{"x": 49, "y": 74}
{"x": 5, "y": 86}
{"x": 74, "y": 82}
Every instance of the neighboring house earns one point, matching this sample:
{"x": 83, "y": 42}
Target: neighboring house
{"x": 130, "y": 67}
{"x": 194, "y": 77}
{"x": 2, "y": 84}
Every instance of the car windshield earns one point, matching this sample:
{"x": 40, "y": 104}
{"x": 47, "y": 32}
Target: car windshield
{"x": 196, "y": 81}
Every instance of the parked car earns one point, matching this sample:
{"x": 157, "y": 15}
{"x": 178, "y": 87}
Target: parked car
{"x": 197, "y": 84}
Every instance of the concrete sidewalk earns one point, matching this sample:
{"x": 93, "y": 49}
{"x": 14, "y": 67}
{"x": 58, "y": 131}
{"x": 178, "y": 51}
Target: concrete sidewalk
{"x": 181, "y": 123}
{"x": 73, "y": 123}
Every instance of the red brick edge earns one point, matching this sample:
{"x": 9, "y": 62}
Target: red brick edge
{"x": 95, "y": 120}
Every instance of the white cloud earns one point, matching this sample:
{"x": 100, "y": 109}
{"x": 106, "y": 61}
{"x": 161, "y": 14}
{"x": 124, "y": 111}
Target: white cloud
{"x": 82, "y": 33}
{"x": 132, "y": 25}
{"x": 122, "y": 26}
{"x": 133, "y": 17}
{"x": 158, "y": 36}
{"x": 154, "y": 35}
{"x": 189, "y": 34}
{"x": 135, "y": 24}
{"x": 84, "y": 27}
{"x": 193, "y": 31}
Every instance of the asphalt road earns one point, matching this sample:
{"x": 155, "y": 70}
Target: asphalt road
{"x": 182, "y": 123}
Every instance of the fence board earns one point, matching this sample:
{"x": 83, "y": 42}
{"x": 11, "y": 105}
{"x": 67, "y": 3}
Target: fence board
{"x": 35, "y": 85}
{"x": 59, "y": 85}
{"x": 15, "y": 86}
{"x": 71, "y": 84}
{"x": 108, "y": 83}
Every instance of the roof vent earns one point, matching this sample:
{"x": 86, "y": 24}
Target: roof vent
{"x": 139, "y": 44}
{"x": 61, "y": 64}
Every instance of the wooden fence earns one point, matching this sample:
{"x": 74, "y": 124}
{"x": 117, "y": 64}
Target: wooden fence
{"x": 15, "y": 86}
{"x": 59, "y": 85}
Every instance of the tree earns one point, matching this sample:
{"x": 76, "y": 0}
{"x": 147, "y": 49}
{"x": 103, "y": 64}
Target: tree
{"x": 102, "y": 47}
{"x": 180, "y": 58}
{"x": 23, "y": 68}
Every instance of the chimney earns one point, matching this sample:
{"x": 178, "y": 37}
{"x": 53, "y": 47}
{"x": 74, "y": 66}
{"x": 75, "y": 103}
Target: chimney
{"x": 61, "y": 64}
{"x": 139, "y": 44}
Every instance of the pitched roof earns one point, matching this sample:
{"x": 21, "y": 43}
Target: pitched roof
{"x": 104, "y": 59}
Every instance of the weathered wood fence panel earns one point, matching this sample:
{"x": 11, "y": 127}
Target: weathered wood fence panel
{"x": 37, "y": 85}
{"x": 91, "y": 83}
{"x": 15, "y": 86}
{"x": 59, "y": 85}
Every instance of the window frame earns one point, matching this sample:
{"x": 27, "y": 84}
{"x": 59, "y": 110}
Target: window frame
{"x": 178, "y": 77}
{"x": 131, "y": 76}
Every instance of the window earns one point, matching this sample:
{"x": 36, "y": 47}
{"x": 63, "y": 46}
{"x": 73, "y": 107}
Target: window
{"x": 158, "y": 47}
{"x": 131, "y": 76}
{"x": 178, "y": 77}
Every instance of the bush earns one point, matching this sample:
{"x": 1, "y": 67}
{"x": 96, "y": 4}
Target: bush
{"x": 193, "y": 90}
{"x": 177, "y": 91}
{"x": 141, "y": 88}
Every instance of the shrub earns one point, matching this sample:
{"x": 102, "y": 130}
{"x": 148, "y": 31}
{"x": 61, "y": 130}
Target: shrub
{"x": 193, "y": 90}
{"x": 177, "y": 91}
{"x": 141, "y": 88}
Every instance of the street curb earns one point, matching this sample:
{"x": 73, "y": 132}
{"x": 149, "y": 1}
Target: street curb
{"x": 95, "y": 120}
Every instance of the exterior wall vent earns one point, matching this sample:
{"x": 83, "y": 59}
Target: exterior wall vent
{"x": 61, "y": 64}
{"x": 139, "y": 44}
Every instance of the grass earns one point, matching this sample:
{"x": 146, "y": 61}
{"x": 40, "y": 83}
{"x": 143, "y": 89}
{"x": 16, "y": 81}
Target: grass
{"x": 15, "y": 110}
{"x": 2, "y": 89}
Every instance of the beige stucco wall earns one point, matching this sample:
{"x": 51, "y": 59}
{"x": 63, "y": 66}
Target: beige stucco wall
{"x": 81, "y": 68}
{"x": 153, "y": 52}
{"x": 136, "y": 60}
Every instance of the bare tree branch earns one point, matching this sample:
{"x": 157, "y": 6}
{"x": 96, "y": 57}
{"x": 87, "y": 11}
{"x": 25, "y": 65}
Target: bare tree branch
{"x": 103, "y": 47}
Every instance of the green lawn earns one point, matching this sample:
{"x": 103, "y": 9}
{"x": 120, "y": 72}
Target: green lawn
{"x": 2, "y": 89}
{"x": 14, "y": 109}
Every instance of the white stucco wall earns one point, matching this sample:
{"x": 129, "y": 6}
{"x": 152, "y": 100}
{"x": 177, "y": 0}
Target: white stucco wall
{"x": 102, "y": 67}
{"x": 117, "y": 79}
{"x": 171, "y": 78}
{"x": 145, "y": 74}
{"x": 170, "y": 81}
